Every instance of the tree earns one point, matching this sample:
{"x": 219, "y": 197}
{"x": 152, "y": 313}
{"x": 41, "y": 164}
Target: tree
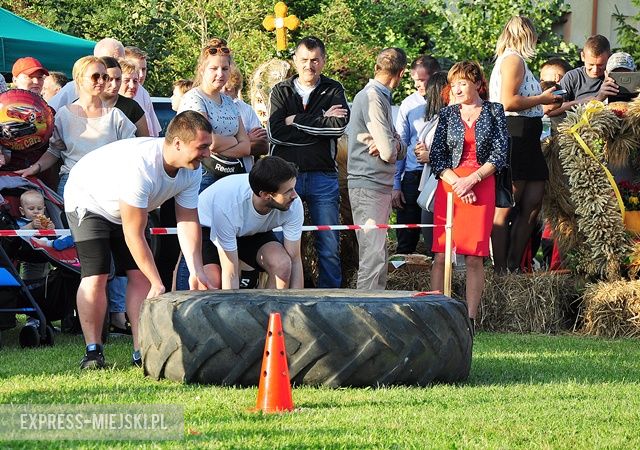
{"x": 172, "y": 32}
{"x": 628, "y": 34}
{"x": 469, "y": 29}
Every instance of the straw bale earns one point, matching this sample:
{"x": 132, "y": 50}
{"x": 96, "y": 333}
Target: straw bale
{"x": 540, "y": 302}
{"x": 612, "y": 309}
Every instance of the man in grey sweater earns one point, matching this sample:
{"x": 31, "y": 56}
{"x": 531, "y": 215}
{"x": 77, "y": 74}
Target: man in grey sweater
{"x": 374, "y": 148}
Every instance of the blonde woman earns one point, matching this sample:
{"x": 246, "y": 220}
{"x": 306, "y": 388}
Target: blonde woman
{"x": 230, "y": 140}
{"x": 85, "y": 124}
{"x": 513, "y": 85}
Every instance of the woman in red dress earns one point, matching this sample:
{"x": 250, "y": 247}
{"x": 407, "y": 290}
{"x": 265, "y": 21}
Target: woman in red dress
{"x": 469, "y": 146}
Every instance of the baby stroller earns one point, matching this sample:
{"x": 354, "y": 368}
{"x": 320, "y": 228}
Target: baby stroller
{"x": 47, "y": 299}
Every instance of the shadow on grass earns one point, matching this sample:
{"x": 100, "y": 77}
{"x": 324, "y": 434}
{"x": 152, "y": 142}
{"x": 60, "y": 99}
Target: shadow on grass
{"x": 500, "y": 359}
{"x": 63, "y": 358}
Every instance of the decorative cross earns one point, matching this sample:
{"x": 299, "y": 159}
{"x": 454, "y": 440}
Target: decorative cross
{"x": 281, "y": 23}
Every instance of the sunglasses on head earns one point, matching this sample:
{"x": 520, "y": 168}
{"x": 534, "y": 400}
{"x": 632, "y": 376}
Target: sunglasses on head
{"x": 97, "y": 76}
{"x": 216, "y": 50}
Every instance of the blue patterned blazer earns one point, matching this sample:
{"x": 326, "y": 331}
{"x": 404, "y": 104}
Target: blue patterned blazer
{"x": 492, "y": 138}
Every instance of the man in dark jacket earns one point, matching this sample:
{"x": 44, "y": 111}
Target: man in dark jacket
{"x": 308, "y": 113}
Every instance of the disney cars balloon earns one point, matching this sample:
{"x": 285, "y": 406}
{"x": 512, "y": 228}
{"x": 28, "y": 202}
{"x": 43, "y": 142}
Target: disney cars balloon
{"x": 26, "y": 121}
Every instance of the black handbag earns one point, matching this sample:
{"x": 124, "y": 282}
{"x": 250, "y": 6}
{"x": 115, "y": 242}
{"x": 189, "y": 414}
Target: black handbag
{"x": 504, "y": 185}
{"x": 220, "y": 166}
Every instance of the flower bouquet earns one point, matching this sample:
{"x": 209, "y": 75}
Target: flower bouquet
{"x": 630, "y": 193}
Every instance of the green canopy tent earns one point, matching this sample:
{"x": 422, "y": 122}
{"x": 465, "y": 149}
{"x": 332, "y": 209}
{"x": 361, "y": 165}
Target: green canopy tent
{"x": 56, "y": 51}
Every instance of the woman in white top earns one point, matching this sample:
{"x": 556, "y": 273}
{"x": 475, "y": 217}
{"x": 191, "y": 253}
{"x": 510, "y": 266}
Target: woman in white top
{"x": 85, "y": 124}
{"x": 230, "y": 140}
{"x": 435, "y": 102}
{"x": 513, "y": 85}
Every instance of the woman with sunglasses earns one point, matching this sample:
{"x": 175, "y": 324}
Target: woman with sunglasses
{"x": 84, "y": 125}
{"x": 230, "y": 140}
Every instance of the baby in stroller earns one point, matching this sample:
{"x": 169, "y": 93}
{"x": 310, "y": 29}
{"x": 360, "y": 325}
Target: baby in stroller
{"x": 32, "y": 209}
{"x": 34, "y": 217}
{"x": 29, "y": 204}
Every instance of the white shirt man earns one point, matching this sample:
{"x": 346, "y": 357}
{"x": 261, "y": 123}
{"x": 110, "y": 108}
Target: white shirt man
{"x": 239, "y": 212}
{"x": 107, "y": 198}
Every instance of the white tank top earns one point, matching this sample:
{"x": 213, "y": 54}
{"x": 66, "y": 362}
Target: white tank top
{"x": 529, "y": 87}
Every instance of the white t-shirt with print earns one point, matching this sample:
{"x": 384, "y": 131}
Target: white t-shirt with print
{"x": 227, "y": 208}
{"x": 223, "y": 117}
{"x": 130, "y": 170}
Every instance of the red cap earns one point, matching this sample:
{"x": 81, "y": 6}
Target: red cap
{"x": 28, "y": 65}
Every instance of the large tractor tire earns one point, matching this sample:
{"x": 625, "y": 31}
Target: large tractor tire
{"x": 333, "y": 337}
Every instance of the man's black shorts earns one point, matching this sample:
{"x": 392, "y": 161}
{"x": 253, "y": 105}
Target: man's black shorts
{"x": 96, "y": 240}
{"x": 248, "y": 247}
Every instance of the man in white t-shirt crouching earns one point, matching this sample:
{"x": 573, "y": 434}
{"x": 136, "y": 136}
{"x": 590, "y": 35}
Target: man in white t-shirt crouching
{"x": 107, "y": 198}
{"x": 239, "y": 212}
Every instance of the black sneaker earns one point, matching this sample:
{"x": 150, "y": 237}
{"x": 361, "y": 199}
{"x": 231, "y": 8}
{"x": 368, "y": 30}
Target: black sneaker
{"x": 92, "y": 360}
{"x": 117, "y": 331}
{"x": 29, "y": 336}
{"x": 136, "y": 362}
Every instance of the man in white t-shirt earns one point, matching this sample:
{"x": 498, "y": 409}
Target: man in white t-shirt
{"x": 107, "y": 198}
{"x": 239, "y": 212}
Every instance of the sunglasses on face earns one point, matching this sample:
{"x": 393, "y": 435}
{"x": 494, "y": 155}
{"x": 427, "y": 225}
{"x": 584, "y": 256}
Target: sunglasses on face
{"x": 220, "y": 50}
{"x": 95, "y": 77}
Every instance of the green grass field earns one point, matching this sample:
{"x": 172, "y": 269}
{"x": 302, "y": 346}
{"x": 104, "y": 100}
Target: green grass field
{"x": 528, "y": 391}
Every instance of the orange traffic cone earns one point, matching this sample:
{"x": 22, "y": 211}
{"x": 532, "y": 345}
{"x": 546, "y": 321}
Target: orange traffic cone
{"x": 274, "y": 391}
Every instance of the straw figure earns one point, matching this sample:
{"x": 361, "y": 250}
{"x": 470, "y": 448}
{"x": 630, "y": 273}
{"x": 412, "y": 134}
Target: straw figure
{"x": 584, "y": 207}
{"x": 601, "y": 244}
{"x": 558, "y": 207}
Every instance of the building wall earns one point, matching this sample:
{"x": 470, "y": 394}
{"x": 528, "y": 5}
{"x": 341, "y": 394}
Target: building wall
{"x": 580, "y": 22}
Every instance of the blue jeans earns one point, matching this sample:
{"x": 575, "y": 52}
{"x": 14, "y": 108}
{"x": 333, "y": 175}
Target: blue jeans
{"x": 320, "y": 192}
{"x": 116, "y": 290}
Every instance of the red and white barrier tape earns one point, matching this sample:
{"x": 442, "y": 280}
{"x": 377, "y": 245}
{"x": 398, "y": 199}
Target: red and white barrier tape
{"x": 27, "y": 233}
{"x": 169, "y": 231}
